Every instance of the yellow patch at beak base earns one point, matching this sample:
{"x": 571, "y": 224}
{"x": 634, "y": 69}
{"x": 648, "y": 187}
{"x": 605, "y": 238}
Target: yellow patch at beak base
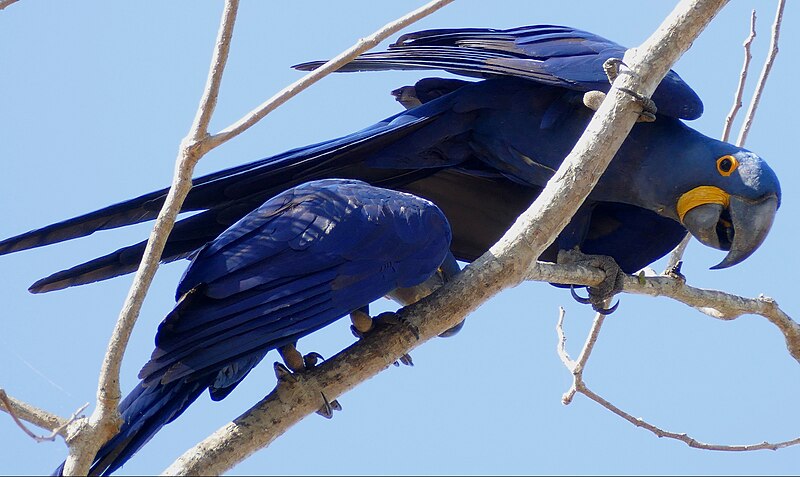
{"x": 700, "y": 196}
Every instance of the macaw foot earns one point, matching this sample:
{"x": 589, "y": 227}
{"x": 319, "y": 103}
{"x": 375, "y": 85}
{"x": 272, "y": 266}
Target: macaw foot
{"x": 363, "y": 324}
{"x": 297, "y": 363}
{"x": 600, "y": 293}
{"x": 649, "y": 109}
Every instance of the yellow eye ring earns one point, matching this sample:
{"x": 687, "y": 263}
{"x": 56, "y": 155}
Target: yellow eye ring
{"x": 726, "y": 165}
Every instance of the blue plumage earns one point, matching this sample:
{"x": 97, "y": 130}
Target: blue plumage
{"x": 549, "y": 54}
{"x": 302, "y": 260}
{"x": 482, "y": 152}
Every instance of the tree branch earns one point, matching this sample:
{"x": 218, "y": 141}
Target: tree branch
{"x": 19, "y": 410}
{"x": 714, "y": 303}
{"x": 5, "y": 3}
{"x": 505, "y": 264}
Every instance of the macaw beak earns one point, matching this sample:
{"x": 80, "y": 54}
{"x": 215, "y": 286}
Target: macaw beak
{"x": 738, "y": 226}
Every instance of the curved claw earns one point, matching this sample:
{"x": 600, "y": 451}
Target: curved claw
{"x": 406, "y": 359}
{"x": 578, "y": 298}
{"x": 611, "y": 68}
{"x": 589, "y": 301}
{"x": 311, "y": 359}
{"x": 606, "y": 311}
{"x": 326, "y": 410}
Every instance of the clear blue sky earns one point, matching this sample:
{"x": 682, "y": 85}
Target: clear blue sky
{"x": 94, "y": 101}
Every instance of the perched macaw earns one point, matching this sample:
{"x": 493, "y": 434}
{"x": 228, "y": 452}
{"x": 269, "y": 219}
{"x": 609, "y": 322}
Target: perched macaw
{"x": 300, "y": 261}
{"x": 482, "y": 152}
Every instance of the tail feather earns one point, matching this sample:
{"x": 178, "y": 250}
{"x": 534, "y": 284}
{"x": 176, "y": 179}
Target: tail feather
{"x": 372, "y": 155}
{"x": 144, "y": 412}
{"x": 224, "y": 186}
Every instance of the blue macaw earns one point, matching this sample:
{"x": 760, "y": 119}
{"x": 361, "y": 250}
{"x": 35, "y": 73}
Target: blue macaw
{"x": 482, "y": 152}
{"x": 300, "y": 261}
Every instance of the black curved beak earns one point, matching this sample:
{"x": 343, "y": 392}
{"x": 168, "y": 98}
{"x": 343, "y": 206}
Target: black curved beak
{"x": 740, "y": 228}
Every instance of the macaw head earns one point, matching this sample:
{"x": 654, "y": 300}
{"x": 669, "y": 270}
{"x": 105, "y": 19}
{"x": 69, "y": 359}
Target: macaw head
{"x": 734, "y": 210}
{"x": 725, "y": 196}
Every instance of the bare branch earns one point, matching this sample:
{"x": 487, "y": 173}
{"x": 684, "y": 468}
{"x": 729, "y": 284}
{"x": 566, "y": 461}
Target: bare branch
{"x": 737, "y": 97}
{"x": 21, "y": 411}
{"x": 721, "y": 305}
{"x": 714, "y": 303}
{"x": 561, "y": 346}
{"x": 577, "y": 367}
{"x": 5, "y": 3}
{"x": 688, "y": 440}
{"x": 762, "y": 80}
{"x": 579, "y": 386}
{"x": 105, "y": 420}
{"x": 208, "y": 102}
{"x": 506, "y": 264}
{"x": 332, "y": 65}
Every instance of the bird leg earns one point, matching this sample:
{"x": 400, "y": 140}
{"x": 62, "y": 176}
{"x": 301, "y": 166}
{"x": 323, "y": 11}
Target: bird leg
{"x": 364, "y": 323}
{"x": 593, "y": 99}
{"x": 600, "y": 293}
{"x": 446, "y": 271}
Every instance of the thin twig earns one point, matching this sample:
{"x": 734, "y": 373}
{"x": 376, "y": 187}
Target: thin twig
{"x": 21, "y": 411}
{"x": 5, "y": 3}
{"x": 579, "y": 386}
{"x": 332, "y": 65}
{"x": 737, "y": 97}
{"x": 688, "y": 440}
{"x": 576, "y": 367}
{"x": 561, "y": 345}
{"x": 762, "y": 80}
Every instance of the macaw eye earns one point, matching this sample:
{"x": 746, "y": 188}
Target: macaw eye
{"x": 726, "y": 165}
